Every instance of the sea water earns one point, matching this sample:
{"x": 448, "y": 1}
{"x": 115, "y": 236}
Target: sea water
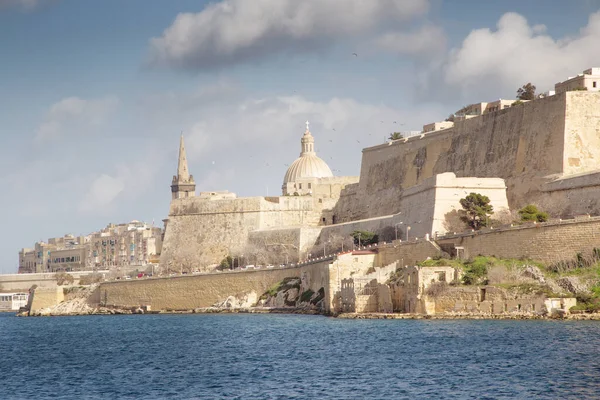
{"x": 243, "y": 356}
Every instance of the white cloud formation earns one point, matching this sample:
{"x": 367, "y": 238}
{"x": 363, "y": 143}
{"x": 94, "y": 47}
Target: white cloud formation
{"x": 102, "y": 192}
{"x": 428, "y": 40}
{"x": 490, "y": 62}
{"x": 238, "y": 30}
{"x": 73, "y": 113}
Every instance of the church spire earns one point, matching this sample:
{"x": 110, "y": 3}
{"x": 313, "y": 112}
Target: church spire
{"x": 182, "y": 166}
{"x": 183, "y": 183}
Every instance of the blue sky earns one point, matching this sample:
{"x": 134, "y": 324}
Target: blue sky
{"x": 94, "y": 95}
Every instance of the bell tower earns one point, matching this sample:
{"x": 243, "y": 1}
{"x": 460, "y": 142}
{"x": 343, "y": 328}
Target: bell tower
{"x": 183, "y": 183}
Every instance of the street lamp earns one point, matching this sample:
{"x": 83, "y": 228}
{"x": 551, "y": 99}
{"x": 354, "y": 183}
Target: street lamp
{"x": 407, "y": 229}
{"x": 396, "y": 228}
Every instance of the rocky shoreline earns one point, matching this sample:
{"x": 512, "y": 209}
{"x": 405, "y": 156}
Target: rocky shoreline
{"x": 141, "y": 310}
{"x": 513, "y": 316}
{"x": 310, "y": 311}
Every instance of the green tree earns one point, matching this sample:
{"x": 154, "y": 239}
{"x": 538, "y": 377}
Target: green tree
{"x": 526, "y": 92}
{"x": 531, "y": 213}
{"x": 476, "y": 210}
{"x": 396, "y": 136}
{"x": 229, "y": 263}
{"x": 364, "y": 238}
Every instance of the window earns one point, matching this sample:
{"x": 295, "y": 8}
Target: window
{"x": 594, "y": 84}
{"x": 299, "y": 186}
{"x": 310, "y": 184}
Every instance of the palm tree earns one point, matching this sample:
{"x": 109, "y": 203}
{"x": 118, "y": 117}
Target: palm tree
{"x": 396, "y": 136}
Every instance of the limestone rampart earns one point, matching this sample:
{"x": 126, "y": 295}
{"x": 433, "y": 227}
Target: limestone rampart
{"x": 524, "y": 145}
{"x": 548, "y": 242}
{"x": 23, "y": 282}
{"x": 197, "y": 291}
{"x": 203, "y": 232}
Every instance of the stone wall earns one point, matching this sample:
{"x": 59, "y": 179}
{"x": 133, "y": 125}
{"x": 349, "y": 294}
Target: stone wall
{"x": 23, "y": 282}
{"x": 203, "y": 232}
{"x": 43, "y": 297}
{"x": 196, "y": 291}
{"x": 548, "y": 242}
{"x": 523, "y": 145}
{"x": 407, "y": 253}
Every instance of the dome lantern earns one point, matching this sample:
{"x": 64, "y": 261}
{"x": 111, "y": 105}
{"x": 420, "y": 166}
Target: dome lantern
{"x": 308, "y": 166}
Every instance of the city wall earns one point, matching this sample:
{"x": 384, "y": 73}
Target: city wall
{"x": 197, "y": 291}
{"x": 23, "y": 282}
{"x": 548, "y": 242}
{"x": 204, "y": 231}
{"x": 526, "y": 145}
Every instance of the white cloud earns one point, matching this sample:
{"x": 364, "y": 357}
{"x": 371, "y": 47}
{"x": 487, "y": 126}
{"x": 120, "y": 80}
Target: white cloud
{"x": 239, "y": 30}
{"x": 102, "y": 192}
{"x": 426, "y": 41}
{"x": 491, "y": 62}
{"x": 74, "y": 113}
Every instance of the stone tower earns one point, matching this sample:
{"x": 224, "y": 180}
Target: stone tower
{"x": 183, "y": 183}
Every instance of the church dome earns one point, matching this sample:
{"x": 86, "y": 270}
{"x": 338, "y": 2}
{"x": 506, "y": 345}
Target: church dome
{"x": 308, "y": 165}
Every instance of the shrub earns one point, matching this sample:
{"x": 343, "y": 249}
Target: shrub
{"x": 306, "y": 296}
{"x": 364, "y": 238}
{"x": 476, "y": 270}
{"x": 320, "y": 296}
{"x": 531, "y": 213}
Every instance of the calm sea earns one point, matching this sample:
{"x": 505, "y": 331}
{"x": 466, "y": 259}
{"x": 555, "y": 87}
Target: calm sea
{"x": 295, "y": 357}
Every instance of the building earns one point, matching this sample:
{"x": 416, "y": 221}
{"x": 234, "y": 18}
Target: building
{"x": 437, "y": 126}
{"x": 13, "y": 301}
{"x": 133, "y": 243}
{"x": 588, "y": 80}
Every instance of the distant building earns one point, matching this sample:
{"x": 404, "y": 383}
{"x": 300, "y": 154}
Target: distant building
{"x": 133, "y": 243}
{"x": 588, "y": 80}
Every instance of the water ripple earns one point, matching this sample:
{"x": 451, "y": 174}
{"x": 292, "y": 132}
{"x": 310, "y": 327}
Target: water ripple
{"x": 295, "y": 357}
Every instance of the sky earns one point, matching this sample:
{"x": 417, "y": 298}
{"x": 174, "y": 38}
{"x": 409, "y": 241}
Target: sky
{"x": 94, "y": 95}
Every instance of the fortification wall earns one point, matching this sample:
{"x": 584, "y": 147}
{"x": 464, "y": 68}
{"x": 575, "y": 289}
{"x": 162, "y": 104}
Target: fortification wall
{"x": 43, "y": 297}
{"x": 522, "y": 144}
{"x": 204, "y": 231}
{"x": 196, "y": 291}
{"x": 407, "y": 253}
{"x": 23, "y": 282}
{"x": 548, "y": 242}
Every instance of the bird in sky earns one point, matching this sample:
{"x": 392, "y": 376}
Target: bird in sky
{"x": 355, "y": 55}
{"x": 358, "y": 141}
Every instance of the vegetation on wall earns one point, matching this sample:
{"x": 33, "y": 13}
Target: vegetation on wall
{"x": 364, "y": 238}
{"x": 229, "y": 263}
{"x": 396, "y": 136}
{"x": 526, "y": 92}
{"x": 476, "y": 211}
{"x": 532, "y": 213}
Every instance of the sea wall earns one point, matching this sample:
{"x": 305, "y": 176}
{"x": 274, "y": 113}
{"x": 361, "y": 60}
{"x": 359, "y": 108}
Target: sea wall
{"x": 196, "y": 291}
{"x": 23, "y": 282}
{"x": 43, "y": 297}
